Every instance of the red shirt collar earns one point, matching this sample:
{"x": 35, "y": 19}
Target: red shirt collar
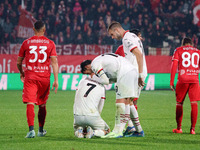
{"x": 125, "y": 32}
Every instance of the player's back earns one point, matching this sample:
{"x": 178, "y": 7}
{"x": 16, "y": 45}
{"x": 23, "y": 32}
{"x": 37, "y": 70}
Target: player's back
{"x": 188, "y": 63}
{"x": 88, "y": 96}
{"x": 113, "y": 65}
{"x": 37, "y": 51}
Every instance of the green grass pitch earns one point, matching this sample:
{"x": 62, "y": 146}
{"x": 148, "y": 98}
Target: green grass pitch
{"x": 156, "y": 111}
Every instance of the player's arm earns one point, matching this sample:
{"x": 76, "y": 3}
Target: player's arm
{"x": 19, "y": 66}
{"x": 100, "y": 77}
{"x": 173, "y": 72}
{"x": 54, "y": 63}
{"x": 101, "y": 104}
{"x": 139, "y": 58}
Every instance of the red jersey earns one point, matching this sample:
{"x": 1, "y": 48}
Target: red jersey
{"x": 37, "y": 51}
{"x": 120, "y": 51}
{"x": 188, "y": 64}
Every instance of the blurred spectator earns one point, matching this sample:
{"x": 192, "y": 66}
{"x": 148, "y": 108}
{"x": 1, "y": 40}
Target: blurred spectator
{"x": 126, "y": 24}
{"x": 89, "y": 37}
{"x": 79, "y": 39}
{"x": 159, "y": 19}
{"x": 60, "y": 38}
{"x": 77, "y": 8}
{"x": 195, "y": 40}
{"x": 7, "y": 26}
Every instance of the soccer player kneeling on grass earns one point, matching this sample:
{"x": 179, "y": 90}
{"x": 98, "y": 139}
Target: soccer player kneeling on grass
{"x": 108, "y": 69}
{"x": 88, "y": 105}
{"x": 186, "y": 58}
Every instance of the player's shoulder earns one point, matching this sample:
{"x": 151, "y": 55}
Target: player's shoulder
{"x": 130, "y": 35}
{"x": 47, "y": 39}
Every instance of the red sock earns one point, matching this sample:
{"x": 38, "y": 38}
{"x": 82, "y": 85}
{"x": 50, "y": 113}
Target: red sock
{"x": 135, "y": 107}
{"x": 42, "y": 115}
{"x": 30, "y": 114}
{"x": 194, "y": 114}
{"x": 179, "y": 115}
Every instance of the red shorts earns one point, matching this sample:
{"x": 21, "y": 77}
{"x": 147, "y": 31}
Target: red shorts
{"x": 191, "y": 88}
{"x": 35, "y": 91}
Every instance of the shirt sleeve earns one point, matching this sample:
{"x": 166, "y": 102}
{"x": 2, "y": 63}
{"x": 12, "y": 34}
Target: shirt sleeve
{"x": 175, "y": 55}
{"x": 130, "y": 43}
{"x": 174, "y": 67}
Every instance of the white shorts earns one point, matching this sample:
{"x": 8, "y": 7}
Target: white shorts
{"x": 95, "y": 122}
{"x": 127, "y": 85}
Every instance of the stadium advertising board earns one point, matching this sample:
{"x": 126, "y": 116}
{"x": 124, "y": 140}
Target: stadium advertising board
{"x": 69, "y": 81}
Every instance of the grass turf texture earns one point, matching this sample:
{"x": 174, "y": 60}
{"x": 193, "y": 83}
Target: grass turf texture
{"x": 156, "y": 111}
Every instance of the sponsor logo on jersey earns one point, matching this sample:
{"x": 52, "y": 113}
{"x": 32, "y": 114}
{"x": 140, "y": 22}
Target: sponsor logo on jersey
{"x": 182, "y": 71}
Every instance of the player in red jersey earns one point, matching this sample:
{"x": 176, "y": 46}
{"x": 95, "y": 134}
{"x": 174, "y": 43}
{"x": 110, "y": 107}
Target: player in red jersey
{"x": 186, "y": 58}
{"x": 38, "y": 51}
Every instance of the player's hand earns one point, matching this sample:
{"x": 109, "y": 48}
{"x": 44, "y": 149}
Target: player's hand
{"x": 172, "y": 87}
{"x": 55, "y": 84}
{"x": 141, "y": 82}
{"x": 22, "y": 77}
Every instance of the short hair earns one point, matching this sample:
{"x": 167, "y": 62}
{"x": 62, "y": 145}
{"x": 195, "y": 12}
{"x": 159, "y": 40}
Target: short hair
{"x": 187, "y": 40}
{"x": 135, "y": 31}
{"x": 85, "y": 63}
{"x": 114, "y": 24}
{"x": 38, "y": 25}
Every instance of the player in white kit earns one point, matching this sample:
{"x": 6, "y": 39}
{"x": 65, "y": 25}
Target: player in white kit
{"x": 88, "y": 104}
{"x": 134, "y": 53}
{"x": 112, "y": 68}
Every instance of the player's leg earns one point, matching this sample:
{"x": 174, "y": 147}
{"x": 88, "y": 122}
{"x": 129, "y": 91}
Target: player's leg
{"x": 120, "y": 116}
{"x": 79, "y": 126}
{"x": 29, "y": 98}
{"x": 181, "y": 91}
{"x": 30, "y": 114}
{"x": 96, "y": 126}
{"x": 135, "y": 102}
{"x": 135, "y": 119}
{"x": 41, "y": 119}
{"x": 194, "y": 97}
{"x": 194, "y": 114}
{"x": 42, "y": 96}
{"x": 130, "y": 127}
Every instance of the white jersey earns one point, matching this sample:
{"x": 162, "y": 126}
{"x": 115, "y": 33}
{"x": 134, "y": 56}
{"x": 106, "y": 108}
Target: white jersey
{"x": 131, "y": 41}
{"x": 87, "y": 98}
{"x": 113, "y": 65}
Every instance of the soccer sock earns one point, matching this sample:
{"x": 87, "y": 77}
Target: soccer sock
{"x": 194, "y": 114}
{"x": 41, "y": 117}
{"x": 127, "y": 113}
{"x": 135, "y": 118}
{"x": 120, "y": 118}
{"x": 30, "y": 114}
{"x": 179, "y": 115}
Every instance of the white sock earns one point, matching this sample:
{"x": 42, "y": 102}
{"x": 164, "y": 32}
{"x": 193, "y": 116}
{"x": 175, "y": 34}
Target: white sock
{"x": 99, "y": 133}
{"x": 135, "y": 118}
{"x": 127, "y": 112}
{"x": 120, "y": 118}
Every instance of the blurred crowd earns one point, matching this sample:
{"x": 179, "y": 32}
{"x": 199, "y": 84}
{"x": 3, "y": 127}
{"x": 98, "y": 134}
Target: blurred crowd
{"x": 163, "y": 23}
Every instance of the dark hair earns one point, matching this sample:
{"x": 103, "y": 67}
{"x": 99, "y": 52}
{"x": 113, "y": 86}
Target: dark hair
{"x": 83, "y": 64}
{"x": 114, "y": 24}
{"x": 135, "y": 31}
{"x": 38, "y": 25}
{"x": 187, "y": 40}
